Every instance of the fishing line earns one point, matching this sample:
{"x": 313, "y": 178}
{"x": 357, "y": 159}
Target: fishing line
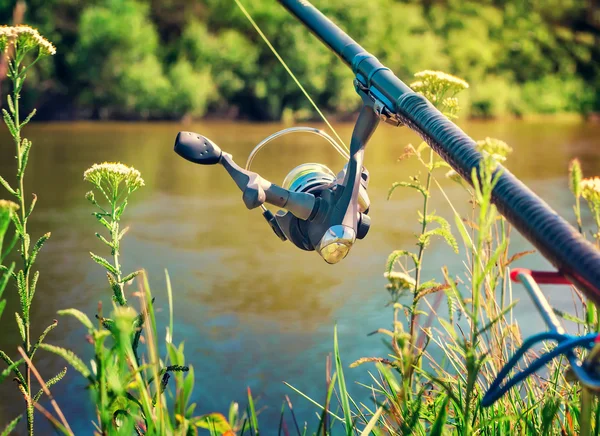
{"x": 266, "y": 40}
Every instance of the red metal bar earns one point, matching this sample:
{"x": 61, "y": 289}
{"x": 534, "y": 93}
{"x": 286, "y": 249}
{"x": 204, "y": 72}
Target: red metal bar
{"x": 541, "y": 277}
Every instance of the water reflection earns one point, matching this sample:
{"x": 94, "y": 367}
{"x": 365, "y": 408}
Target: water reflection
{"x": 253, "y": 310}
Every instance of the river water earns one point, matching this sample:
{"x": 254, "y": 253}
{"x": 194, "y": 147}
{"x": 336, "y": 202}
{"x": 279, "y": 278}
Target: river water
{"x": 253, "y": 311}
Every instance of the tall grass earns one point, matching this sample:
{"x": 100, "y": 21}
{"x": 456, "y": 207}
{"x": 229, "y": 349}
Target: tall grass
{"x": 447, "y": 341}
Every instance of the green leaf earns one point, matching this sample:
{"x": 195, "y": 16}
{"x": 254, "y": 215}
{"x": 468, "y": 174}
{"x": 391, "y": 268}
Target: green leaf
{"x": 103, "y": 262}
{"x": 7, "y": 186}
{"x": 416, "y": 186}
{"x": 2, "y": 305}
{"x": 23, "y": 295}
{"x": 33, "y": 284}
{"x": 188, "y": 385}
{"x": 214, "y": 421}
{"x": 71, "y": 359}
{"x": 20, "y": 325}
{"x": 437, "y": 429}
{"x": 58, "y": 377}
{"x": 103, "y": 239}
{"x": 233, "y": 411}
{"x": 11, "y": 426}
{"x": 463, "y": 232}
{"x": 100, "y": 217}
{"x": 79, "y": 315}
{"x": 12, "y": 366}
{"x": 28, "y": 119}
{"x": 120, "y": 211}
{"x": 131, "y": 276}
{"x": 7, "y": 274}
{"x": 25, "y": 147}
{"x": 17, "y": 222}
{"x": 42, "y": 337}
{"x": 9, "y": 247}
{"x": 37, "y": 247}
{"x": 371, "y": 424}
{"x": 448, "y": 327}
{"x": 9, "y": 123}
{"x": 342, "y": 385}
{"x": 494, "y": 259}
{"x": 11, "y": 106}
{"x": 253, "y": 418}
{"x": 397, "y": 254}
{"x": 32, "y": 205}
{"x": 568, "y": 316}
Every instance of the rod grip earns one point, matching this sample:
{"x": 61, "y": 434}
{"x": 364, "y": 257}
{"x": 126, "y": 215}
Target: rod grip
{"x": 553, "y": 236}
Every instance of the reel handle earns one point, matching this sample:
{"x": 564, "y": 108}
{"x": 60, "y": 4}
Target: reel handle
{"x": 255, "y": 190}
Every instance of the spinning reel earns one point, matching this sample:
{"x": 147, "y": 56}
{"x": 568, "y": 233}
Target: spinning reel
{"x": 321, "y": 210}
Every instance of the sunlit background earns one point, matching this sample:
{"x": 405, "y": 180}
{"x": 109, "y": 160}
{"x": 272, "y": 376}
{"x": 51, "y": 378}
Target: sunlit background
{"x": 254, "y": 311}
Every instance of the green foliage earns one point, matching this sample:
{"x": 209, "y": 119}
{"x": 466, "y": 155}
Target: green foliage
{"x": 146, "y": 59}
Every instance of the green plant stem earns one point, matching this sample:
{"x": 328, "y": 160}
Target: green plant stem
{"x": 578, "y": 214}
{"x": 114, "y": 234}
{"x": 415, "y": 302}
{"x": 24, "y": 246}
{"x": 587, "y": 399}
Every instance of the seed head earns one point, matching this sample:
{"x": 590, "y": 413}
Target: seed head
{"x": 400, "y": 280}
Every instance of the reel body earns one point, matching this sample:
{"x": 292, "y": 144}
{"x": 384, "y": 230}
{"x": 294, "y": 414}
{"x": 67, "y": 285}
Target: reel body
{"x": 320, "y": 210}
{"x": 318, "y": 180}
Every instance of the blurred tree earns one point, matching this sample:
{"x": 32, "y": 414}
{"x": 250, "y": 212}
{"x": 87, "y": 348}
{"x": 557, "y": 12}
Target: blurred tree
{"x": 176, "y": 58}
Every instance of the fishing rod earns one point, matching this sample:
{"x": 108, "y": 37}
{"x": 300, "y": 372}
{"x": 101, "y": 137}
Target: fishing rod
{"x": 328, "y": 212}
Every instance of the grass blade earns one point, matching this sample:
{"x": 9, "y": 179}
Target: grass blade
{"x": 342, "y": 385}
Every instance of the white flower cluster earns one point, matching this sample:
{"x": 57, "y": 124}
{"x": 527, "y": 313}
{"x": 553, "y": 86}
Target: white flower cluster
{"x": 114, "y": 173}
{"x": 25, "y": 38}
{"x": 440, "y": 89}
{"x": 429, "y": 77}
{"x": 590, "y": 190}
